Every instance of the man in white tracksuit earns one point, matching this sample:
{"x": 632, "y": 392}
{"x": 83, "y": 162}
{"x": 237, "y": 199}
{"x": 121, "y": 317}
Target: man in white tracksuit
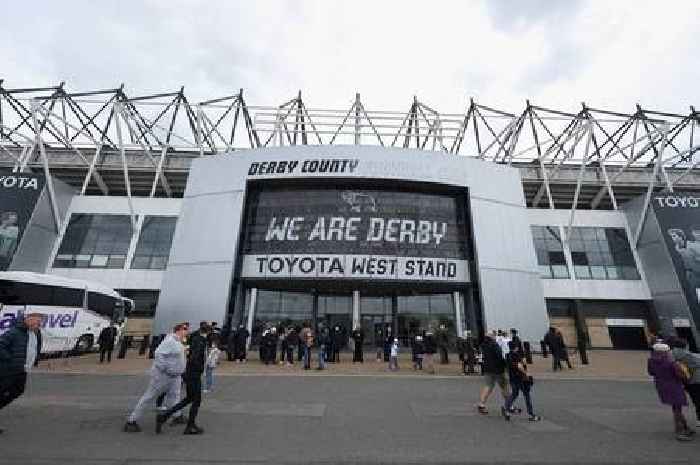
{"x": 168, "y": 367}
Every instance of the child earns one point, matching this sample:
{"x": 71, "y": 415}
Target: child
{"x": 519, "y": 381}
{"x": 212, "y": 362}
{"x": 418, "y": 353}
{"x": 394, "y": 355}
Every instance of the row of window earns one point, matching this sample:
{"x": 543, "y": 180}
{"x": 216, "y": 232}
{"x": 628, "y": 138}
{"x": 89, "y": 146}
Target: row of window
{"x": 102, "y": 241}
{"x": 596, "y": 253}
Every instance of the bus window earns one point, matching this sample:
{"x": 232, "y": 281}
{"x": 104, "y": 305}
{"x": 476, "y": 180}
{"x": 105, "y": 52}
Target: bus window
{"x": 18, "y": 293}
{"x": 101, "y": 304}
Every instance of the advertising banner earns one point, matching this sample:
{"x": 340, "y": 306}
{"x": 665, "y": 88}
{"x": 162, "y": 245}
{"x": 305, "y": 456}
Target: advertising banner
{"x": 19, "y": 193}
{"x": 355, "y": 233}
{"x": 678, "y": 215}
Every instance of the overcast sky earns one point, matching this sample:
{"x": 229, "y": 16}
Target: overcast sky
{"x": 556, "y": 53}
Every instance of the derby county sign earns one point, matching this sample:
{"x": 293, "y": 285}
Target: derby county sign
{"x": 355, "y": 234}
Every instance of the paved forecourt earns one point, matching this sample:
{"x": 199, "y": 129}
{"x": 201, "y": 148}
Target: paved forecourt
{"x": 77, "y": 419}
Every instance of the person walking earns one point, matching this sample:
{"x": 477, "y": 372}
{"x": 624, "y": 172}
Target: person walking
{"x": 388, "y": 340}
{"x": 493, "y": 368}
{"x": 196, "y": 361}
{"x": 323, "y": 344}
{"x": 337, "y": 341}
{"x": 358, "y": 337}
{"x": 442, "y": 343}
{"x": 554, "y": 343}
{"x": 564, "y": 354}
{"x": 394, "y": 356}
{"x": 168, "y": 366}
{"x": 669, "y": 387}
{"x": 106, "y": 340}
{"x": 379, "y": 341}
{"x": 307, "y": 339}
{"x": 20, "y": 347}
{"x": 213, "y": 354}
{"x": 418, "y": 351}
{"x": 520, "y": 381}
{"x": 242, "y": 336}
{"x": 515, "y": 338}
{"x": 283, "y": 333}
{"x": 470, "y": 355}
{"x": 292, "y": 344}
{"x": 429, "y": 352}
{"x": 691, "y": 361}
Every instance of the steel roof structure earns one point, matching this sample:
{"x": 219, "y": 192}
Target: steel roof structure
{"x": 106, "y": 142}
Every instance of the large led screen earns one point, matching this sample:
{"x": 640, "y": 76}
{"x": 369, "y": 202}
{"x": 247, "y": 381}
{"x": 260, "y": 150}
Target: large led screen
{"x": 19, "y": 193}
{"x": 678, "y": 215}
{"x": 355, "y": 233}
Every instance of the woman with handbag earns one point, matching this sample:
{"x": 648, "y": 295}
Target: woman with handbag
{"x": 520, "y": 380}
{"x": 669, "y": 386}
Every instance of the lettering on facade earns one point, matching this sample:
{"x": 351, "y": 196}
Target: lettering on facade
{"x": 675, "y": 201}
{"x": 354, "y": 266}
{"x": 315, "y": 166}
{"x": 19, "y": 182}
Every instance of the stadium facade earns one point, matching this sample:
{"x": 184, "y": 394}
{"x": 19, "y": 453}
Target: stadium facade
{"x": 223, "y": 211}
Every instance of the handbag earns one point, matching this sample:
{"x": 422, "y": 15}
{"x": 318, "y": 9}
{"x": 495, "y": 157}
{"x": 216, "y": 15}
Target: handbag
{"x": 683, "y": 372}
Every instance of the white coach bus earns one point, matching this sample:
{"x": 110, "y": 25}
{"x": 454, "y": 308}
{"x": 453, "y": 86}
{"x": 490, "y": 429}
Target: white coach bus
{"x": 76, "y": 310}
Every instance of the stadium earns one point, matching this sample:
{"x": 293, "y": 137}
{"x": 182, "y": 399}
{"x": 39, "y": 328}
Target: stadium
{"x": 243, "y": 214}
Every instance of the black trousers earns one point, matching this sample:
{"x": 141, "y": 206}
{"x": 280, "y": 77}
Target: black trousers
{"x": 193, "y": 386}
{"x": 11, "y": 387}
{"x": 443, "y": 355}
{"x": 108, "y": 352}
{"x": 357, "y": 356}
{"x": 290, "y": 354}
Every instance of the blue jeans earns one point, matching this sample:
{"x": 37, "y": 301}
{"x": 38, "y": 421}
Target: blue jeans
{"x": 307, "y": 357}
{"x": 321, "y": 357}
{"x": 516, "y": 386}
{"x": 209, "y": 374}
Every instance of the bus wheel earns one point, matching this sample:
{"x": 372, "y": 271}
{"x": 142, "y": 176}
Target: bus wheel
{"x": 84, "y": 344}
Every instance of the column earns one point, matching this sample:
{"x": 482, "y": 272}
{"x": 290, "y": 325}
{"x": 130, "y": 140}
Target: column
{"x": 355, "y": 309}
{"x": 457, "y": 303}
{"x": 251, "y": 313}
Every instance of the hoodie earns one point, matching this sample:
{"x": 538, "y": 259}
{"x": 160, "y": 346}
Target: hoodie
{"x": 170, "y": 357}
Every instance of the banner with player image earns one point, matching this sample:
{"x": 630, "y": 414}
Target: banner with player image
{"x": 678, "y": 215}
{"x": 19, "y": 193}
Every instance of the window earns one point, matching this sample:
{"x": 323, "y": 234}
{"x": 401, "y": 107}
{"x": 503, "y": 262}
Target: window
{"x": 153, "y": 248}
{"x": 95, "y": 241}
{"x": 550, "y": 252}
{"x": 602, "y": 253}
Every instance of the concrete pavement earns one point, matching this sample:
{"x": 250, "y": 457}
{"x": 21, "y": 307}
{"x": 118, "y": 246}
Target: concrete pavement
{"x": 77, "y": 419}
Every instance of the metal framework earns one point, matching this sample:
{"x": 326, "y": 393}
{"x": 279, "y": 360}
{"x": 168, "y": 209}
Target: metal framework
{"x": 106, "y": 142}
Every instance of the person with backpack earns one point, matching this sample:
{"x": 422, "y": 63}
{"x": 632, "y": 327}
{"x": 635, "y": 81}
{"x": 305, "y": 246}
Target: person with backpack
{"x": 669, "y": 387}
{"x": 690, "y": 366}
{"x": 520, "y": 381}
{"x": 493, "y": 368}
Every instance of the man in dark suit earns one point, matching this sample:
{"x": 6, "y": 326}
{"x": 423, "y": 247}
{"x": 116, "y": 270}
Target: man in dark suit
{"x": 106, "y": 340}
{"x": 20, "y": 347}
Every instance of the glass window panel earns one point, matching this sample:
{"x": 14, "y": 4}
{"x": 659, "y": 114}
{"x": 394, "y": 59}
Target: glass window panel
{"x": 93, "y": 239}
{"x": 545, "y": 271}
{"x": 613, "y": 272}
{"x": 579, "y": 258}
{"x": 557, "y": 258}
{"x": 598, "y": 272}
{"x": 582, "y": 271}
{"x": 560, "y": 272}
{"x": 155, "y": 240}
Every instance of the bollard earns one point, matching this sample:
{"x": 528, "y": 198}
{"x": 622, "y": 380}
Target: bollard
{"x": 123, "y": 346}
{"x": 528, "y": 352}
{"x": 543, "y": 347}
{"x": 144, "y": 344}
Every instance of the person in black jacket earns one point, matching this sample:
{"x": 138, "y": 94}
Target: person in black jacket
{"x": 241, "y": 345}
{"x": 358, "y": 337}
{"x": 196, "y": 361}
{"x": 106, "y": 341}
{"x": 337, "y": 342}
{"x": 493, "y": 368}
{"x": 20, "y": 347}
{"x": 429, "y": 347}
{"x": 443, "y": 342}
{"x": 554, "y": 341}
